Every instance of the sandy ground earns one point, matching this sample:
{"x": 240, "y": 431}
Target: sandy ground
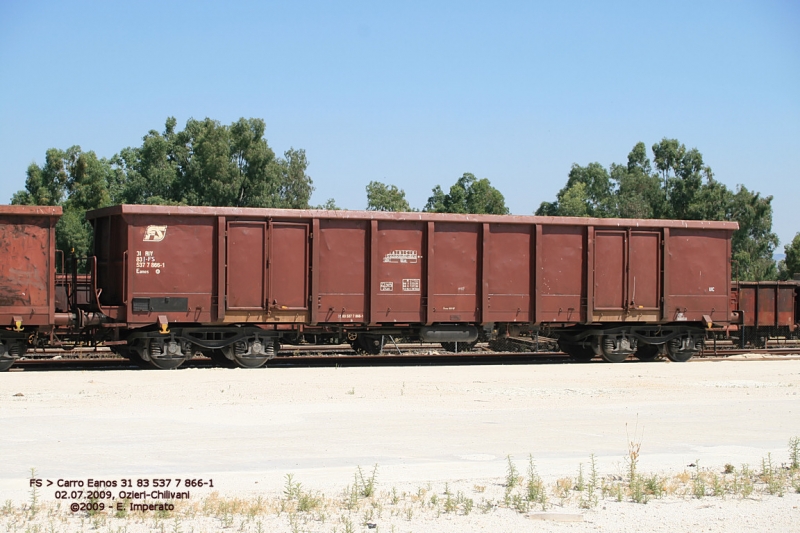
{"x": 422, "y": 426}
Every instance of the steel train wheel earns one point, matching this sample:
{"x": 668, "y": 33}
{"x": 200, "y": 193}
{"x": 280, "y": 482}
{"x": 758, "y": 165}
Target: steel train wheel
{"x": 240, "y": 356}
{"x": 166, "y": 356}
{"x": 647, "y": 352}
{"x": 613, "y": 349}
{"x": 682, "y": 349}
{"x": 6, "y": 363}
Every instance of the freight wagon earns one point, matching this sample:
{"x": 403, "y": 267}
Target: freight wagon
{"x": 231, "y": 282}
{"x": 764, "y": 309}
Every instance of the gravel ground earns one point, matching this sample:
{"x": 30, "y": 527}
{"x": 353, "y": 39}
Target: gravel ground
{"x": 430, "y": 430}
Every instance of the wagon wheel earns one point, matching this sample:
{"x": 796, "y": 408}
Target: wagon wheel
{"x": 580, "y": 353}
{"x": 613, "y": 352}
{"x": 165, "y": 361}
{"x": 647, "y": 352}
{"x": 457, "y": 347}
{"x": 253, "y": 360}
{"x": 681, "y": 349}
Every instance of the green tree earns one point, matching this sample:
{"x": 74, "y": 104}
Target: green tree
{"x": 754, "y": 243}
{"x": 574, "y": 201}
{"x": 76, "y": 180}
{"x": 151, "y": 170}
{"x": 683, "y": 172}
{"x": 677, "y": 184}
{"x": 330, "y": 205}
{"x": 47, "y": 185}
{"x": 294, "y": 185}
{"x": 588, "y": 193}
{"x": 468, "y": 195}
{"x": 208, "y": 163}
{"x": 382, "y": 197}
{"x": 637, "y": 189}
{"x": 790, "y": 266}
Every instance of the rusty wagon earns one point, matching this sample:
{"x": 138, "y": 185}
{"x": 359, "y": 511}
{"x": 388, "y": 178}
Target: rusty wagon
{"x": 232, "y": 282}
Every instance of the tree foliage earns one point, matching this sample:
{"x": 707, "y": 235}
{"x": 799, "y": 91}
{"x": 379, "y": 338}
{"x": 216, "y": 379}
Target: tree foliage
{"x": 330, "y": 205}
{"x": 467, "y": 195}
{"x": 790, "y": 265}
{"x": 76, "y": 180}
{"x": 382, "y": 197}
{"x": 212, "y": 164}
{"x": 675, "y": 184}
{"x": 206, "y": 163}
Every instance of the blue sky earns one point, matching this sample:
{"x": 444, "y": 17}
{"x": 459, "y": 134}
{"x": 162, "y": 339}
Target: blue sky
{"x": 417, "y": 93}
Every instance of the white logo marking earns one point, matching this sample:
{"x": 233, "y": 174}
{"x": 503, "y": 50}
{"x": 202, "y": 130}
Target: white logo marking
{"x": 155, "y": 233}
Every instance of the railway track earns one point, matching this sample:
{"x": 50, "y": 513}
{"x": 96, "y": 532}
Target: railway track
{"x": 400, "y": 354}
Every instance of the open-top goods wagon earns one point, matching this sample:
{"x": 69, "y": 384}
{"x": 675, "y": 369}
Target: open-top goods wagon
{"x": 764, "y": 309}
{"x": 232, "y": 282}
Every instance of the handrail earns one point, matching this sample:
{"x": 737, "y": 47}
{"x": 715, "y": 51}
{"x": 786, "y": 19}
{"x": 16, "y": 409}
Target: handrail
{"x": 125, "y": 278}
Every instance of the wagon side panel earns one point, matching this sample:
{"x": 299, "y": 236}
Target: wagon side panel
{"x": 747, "y": 303}
{"x": 507, "y": 272}
{"x": 785, "y": 305}
{"x": 560, "y": 274}
{"x": 455, "y": 268}
{"x": 698, "y": 274}
{"x": 398, "y": 281}
{"x": 170, "y": 268}
{"x": 342, "y": 270}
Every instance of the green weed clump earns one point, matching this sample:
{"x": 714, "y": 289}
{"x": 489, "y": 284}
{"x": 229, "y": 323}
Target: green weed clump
{"x": 588, "y": 498}
{"x": 512, "y": 474}
{"x": 794, "y": 453}
{"x": 535, "y": 489}
{"x": 366, "y": 485}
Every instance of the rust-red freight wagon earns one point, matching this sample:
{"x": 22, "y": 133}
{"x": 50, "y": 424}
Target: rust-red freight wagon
{"x": 765, "y": 309}
{"x": 231, "y": 282}
{"x": 27, "y": 275}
